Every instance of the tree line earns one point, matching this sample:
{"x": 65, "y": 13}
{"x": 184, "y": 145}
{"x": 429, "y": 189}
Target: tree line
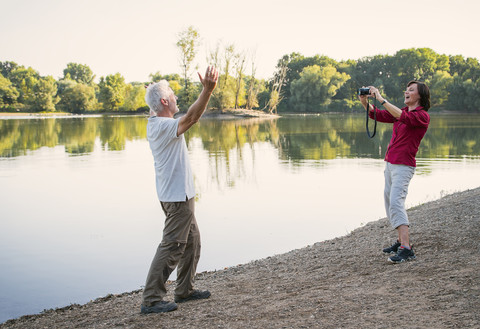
{"x": 319, "y": 83}
{"x": 299, "y": 84}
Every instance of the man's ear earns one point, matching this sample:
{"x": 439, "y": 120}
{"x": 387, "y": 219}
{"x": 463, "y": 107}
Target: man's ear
{"x": 164, "y": 102}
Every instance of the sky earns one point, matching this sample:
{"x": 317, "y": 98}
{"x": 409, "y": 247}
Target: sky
{"x": 138, "y": 37}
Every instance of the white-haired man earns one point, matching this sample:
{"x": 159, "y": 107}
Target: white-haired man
{"x": 180, "y": 244}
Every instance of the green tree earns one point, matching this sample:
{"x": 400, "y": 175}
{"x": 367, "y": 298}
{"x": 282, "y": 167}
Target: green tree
{"x": 464, "y": 95}
{"x": 226, "y": 84}
{"x": 467, "y": 68}
{"x": 24, "y": 80}
{"x": 346, "y": 95}
{"x": 112, "y": 91}
{"x": 464, "y": 91}
{"x": 239, "y": 65}
{"x": 316, "y": 87}
{"x": 185, "y": 97}
{"x": 438, "y": 86}
{"x": 254, "y": 87}
{"x": 78, "y": 98}
{"x": 79, "y": 72}
{"x": 6, "y": 68}
{"x": 374, "y": 70}
{"x": 223, "y": 96}
{"x": 188, "y": 43}
{"x": 157, "y": 76}
{"x": 134, "y": 98}
{"x": 295, "y": 63}
{"x": 277, "y": 84}
{"x": 44, "y": 95}
{"x": 64, "y": 84}
{"x": 175, "y": 82}
{"x": 8, "y": 93}
{"x": 418, "y": 64}
{"x": 414, "y": 64}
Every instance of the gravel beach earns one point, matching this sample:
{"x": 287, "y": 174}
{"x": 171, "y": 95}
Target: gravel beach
{"x": 341, "y": 283}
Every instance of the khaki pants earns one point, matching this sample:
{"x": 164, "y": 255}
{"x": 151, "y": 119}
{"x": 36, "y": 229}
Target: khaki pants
{"x": 180, "y": 246}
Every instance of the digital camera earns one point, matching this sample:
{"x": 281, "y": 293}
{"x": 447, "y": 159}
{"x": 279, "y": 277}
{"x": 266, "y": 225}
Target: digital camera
{"x": 363, "y": 91}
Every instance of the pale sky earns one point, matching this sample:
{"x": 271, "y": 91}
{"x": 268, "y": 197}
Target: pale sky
{"x": 138, "y": 37}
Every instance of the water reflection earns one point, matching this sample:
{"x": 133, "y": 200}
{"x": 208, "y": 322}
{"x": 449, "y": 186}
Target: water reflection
{"x": 77, "y": 135}
{"x": 297, "y": 138}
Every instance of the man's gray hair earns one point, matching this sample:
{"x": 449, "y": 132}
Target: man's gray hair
{"x": 156, "y": 92}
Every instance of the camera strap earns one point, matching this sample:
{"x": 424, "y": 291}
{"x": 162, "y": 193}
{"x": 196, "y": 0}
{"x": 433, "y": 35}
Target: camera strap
{"x": 374, "y": 118}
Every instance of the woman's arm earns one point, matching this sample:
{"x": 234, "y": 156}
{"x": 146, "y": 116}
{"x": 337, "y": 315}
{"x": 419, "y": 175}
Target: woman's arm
{"x": 392, "y": 109}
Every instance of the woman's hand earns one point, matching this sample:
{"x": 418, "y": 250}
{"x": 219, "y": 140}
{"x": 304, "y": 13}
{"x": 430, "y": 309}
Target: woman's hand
{"x": 375, "y": 93}
{"x": 363, "y": 99}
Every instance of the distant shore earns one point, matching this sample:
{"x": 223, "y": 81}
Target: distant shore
{"x": 25, "y": 114}
{"x": 238, "y": 113}
{"x": 227, "y": 114}
{"x": 345, "y": 282}
{"x": 216, "y": 114}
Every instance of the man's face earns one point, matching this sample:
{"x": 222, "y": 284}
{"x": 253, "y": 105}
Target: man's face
{"x": 172, "y": 103}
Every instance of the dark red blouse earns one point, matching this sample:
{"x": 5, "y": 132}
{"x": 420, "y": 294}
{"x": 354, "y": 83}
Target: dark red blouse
{"x": 408, "y": 131}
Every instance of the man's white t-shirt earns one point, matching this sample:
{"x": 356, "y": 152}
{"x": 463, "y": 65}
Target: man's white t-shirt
{"x": 174, "y": 179}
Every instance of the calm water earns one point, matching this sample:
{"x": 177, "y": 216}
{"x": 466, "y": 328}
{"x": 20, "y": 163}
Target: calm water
{"x": 79, "y": 216}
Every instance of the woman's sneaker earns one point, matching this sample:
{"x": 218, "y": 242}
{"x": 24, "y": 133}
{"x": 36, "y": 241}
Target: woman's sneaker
{"x": 403, "y": 254}
{"x": 393, "y": 248}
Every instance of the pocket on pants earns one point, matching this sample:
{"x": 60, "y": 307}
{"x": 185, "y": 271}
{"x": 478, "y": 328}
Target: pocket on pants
{"x": 402, "y": 175}
{"x": 177, "y": 222}
{"x": 171, "y": 207}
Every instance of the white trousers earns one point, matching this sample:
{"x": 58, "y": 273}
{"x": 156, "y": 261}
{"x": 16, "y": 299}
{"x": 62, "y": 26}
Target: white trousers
{"x": 397, "y": 179}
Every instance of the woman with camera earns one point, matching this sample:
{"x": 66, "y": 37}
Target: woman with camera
{"x": 410, "y": 124}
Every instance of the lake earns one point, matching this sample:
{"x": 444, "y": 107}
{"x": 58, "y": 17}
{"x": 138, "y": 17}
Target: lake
{"x": 80, "y": 218}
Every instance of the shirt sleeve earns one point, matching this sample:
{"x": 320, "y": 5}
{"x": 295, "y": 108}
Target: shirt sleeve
{"x": 382, "y": 115}
{"x": 162, "y": 129}
{"x": 173, "y": 128}
{"x": 168, "y": 128}
{"x": 415, "y": 118}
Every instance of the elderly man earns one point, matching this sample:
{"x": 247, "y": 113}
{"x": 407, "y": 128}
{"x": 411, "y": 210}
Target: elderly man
{"x": 175, "y": 188}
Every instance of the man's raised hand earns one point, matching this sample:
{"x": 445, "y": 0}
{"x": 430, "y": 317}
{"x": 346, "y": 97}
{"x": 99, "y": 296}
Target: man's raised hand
{"x": 209, "y": 82}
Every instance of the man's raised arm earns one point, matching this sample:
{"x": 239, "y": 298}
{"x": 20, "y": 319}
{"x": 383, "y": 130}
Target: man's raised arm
{"x": 196, "y": 110}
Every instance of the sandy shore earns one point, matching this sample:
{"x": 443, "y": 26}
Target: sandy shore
{"x": 340, "y": 283}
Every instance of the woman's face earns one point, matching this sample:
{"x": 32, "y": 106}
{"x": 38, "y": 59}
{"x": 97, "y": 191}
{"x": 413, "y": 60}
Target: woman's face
{"x": 412, "y": 97}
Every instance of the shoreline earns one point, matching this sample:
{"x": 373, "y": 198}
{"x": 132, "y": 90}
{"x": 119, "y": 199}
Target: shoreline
{"x": 209, "y": 114}
{"x": 228, "y": 114}
{"x": 342, "y": 282}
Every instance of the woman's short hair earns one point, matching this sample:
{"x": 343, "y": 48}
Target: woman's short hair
{"x": 424, "y": 93}
{"x": 155, "y": 93}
